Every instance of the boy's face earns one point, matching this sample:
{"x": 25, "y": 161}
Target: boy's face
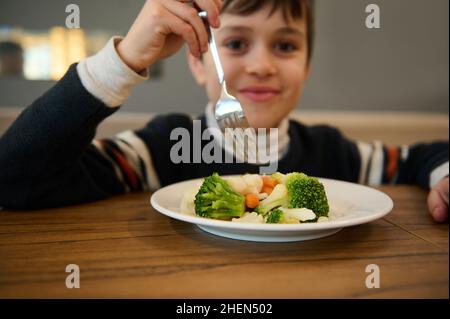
{"x": 265, "y": 64}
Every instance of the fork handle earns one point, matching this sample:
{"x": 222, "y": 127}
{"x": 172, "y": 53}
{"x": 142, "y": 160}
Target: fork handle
{"x": 213, "y": 47}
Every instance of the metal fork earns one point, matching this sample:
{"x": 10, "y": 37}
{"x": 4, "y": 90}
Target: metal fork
{"x": 228, "y": 110}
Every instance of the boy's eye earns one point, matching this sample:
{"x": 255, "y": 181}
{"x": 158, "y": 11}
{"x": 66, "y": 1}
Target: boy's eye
{"x": 236, "y": 45}
{"x": 285, "y": 47}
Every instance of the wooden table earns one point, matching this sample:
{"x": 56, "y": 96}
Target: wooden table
{"x": 124, "y": 248}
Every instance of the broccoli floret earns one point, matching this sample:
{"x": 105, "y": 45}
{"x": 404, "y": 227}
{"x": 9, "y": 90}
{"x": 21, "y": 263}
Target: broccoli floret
{"x": 303, "y": 192}
{"x": 217, "y": 200}
{"x": 306, "y": 192}
{"x": 275, "y": 216}
{"x": 278, "y": 197}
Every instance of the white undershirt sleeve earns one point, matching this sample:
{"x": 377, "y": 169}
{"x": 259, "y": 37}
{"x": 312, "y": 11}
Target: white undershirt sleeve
{"x": 107, "y": 77}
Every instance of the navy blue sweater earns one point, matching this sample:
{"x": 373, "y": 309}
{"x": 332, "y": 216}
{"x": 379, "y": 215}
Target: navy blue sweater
{"x": 49, "y": 158}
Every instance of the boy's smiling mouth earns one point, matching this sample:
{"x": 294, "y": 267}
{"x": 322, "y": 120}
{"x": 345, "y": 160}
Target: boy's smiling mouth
{"x": 259, "y": 93}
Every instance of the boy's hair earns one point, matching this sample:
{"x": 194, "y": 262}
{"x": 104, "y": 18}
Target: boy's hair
{"x": 295, "y": 9}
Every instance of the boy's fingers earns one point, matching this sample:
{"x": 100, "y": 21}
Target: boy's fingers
{"x": 440, "y": 214}
{"x": 443, "y": 189}
{"x": 437, "y": 206}
{"x": 185, "y": 31}
{"x": 190, "y": 16}
{"x": 212, "y": 8}
{"x": 219, "y": 4}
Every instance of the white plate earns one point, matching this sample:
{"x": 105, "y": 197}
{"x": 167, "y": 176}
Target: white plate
{"x": 350, "y": 204}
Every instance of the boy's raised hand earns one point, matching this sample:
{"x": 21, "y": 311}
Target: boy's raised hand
{"x": 438, "y": 201}
{"x": 163, "y": 26}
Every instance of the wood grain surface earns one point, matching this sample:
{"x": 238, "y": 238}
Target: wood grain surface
{"x": 125, "y": 249}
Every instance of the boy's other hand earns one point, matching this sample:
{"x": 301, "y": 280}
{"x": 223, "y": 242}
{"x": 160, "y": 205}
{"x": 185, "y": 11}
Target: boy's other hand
{"x": 438, "y": 201}
{"x": 163, "y": 26}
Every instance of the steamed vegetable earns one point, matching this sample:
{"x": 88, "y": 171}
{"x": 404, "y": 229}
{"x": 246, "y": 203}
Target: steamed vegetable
{"x": 216, "y": 199}
{"x": 245, "y": 184}
{"x": 306, "y": 192}
{"x": 290, "y": 216}
{"x": 279, "y": 198}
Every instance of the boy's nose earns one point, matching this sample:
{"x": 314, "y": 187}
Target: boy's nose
{"x": 260, "y": 63}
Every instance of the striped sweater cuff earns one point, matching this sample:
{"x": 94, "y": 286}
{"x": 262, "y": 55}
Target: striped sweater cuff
{"x": 131, "y": 161}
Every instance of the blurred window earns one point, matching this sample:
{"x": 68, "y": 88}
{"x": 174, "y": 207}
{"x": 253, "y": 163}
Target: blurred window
{"x": 47, "y": 54}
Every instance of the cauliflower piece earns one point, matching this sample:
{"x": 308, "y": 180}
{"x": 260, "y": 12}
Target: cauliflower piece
{"x": 187, "y": 206}
{"x": 237, "y": 183}
{"x": 262, "y": 196}
{"x": 254, "y": 183}
{"x": 299, "y": 214}
{"x": 278, "y": 197}
{"x": 245, "y": 184}
{"x": 249, "y": 218}
{"x": 322, "y": 219}
{"x": 283, "y": 215}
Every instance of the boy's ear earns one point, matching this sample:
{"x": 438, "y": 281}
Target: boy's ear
{"x": 197, "y": 69}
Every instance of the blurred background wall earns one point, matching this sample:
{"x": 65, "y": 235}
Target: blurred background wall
{"x": 401, "y": 67}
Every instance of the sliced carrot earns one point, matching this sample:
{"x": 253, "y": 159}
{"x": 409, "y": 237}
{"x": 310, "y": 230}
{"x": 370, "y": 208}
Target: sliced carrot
{"x": 251, "y": 200}
{"x": 267, "y": 189}
{"x": 266, "y": 180}
{"x": 269, "y": 181}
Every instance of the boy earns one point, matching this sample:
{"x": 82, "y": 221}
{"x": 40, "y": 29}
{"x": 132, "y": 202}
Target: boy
{"x": 48, "y": 158}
